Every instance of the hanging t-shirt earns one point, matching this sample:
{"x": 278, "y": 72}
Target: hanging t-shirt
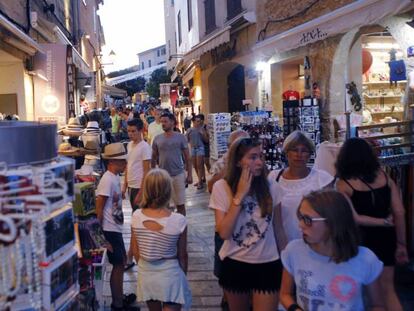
{"x": 116, "y": 120}
{"x": 397, "y": 70}
{"x": 137, "y": 153}
{"x": 253, "y": 239}
{"x": 324, "y": 285}
{"x": 154, "y": 129}
{"x": 293, "y": 191}
{"x": 291, "y": 95}
{"x": 110, "y": 187}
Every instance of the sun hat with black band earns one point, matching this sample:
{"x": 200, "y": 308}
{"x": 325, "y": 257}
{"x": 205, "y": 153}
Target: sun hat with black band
{"x": 115, "y": 151}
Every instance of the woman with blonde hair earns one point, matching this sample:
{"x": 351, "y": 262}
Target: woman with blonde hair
{"x": 159, "y": 246}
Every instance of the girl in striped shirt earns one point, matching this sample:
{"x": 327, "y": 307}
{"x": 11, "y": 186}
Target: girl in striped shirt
{"x": 159, "y": 246}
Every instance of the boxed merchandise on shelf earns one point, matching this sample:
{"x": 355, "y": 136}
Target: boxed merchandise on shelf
{"x": 59, "y": 232}
{"x": 60, "y": 280}
{"x": 84, "y": 203}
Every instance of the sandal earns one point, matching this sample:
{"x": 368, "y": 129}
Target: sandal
{"x": 129, "y": 266}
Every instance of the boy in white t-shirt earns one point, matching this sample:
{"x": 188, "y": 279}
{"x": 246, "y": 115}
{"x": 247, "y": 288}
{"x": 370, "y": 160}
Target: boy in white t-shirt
{"x": 139, "y": 163}
{"x": 110, "y": 215}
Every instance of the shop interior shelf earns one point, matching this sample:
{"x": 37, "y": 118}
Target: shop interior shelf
{"x": 383, "y": 136}
{"x": 382, "y": 82}
{"x": 384, "y": 96}
{"x": 386, "y": 112}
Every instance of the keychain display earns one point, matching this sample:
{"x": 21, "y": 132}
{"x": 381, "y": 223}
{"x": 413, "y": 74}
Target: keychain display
{"x": 219, "y": 131}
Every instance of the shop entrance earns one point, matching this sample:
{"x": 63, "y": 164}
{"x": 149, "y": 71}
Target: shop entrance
{"x": 226, "y": 88}
{"x": 235, "y": 91}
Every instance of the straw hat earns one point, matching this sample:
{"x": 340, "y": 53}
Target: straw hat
{"x": 74, "y": 123}
{"x": 115, "y": 151}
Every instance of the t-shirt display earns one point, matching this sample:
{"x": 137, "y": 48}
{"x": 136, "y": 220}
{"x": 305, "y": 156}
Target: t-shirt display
{"x": 154, "y": 129}
{"x": 253, "y": 239}
{"x": 110, "y": 187}
{"x": 137, "y": 153}
{"x": 323, "y": 283}
{"x": 170, "y": 152}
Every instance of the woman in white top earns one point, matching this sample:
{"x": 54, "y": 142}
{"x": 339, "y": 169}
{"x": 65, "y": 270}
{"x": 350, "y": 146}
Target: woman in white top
{"x": 325, "y": 270}
{"x": 244, "y": 207}
{"x": 159, "y": 247}
{"x": 296, "y": 181}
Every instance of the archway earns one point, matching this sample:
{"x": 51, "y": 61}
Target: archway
{"x": 226, "y": 88}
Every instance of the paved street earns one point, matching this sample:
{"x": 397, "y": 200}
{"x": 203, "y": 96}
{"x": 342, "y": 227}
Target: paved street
{"x": 205, "y": 289}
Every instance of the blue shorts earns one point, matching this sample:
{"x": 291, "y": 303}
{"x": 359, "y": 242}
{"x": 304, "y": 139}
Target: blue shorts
{"x": 197, "y": 151}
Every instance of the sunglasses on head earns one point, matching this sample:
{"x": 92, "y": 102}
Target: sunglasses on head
{"x": 307, "y": 220}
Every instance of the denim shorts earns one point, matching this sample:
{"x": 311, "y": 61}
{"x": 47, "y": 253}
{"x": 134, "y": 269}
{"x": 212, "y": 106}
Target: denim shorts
{"x": 197, "y": 151}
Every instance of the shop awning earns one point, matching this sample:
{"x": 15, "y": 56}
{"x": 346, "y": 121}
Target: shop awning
{"x": 113, "y": 91}
{"x": 27, "y": 44}
{"x": 356, "y": 14}
{"x": 211, "y": 42}
{"x": 78, "y": 60}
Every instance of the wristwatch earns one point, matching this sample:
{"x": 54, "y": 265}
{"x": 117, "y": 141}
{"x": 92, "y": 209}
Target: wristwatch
{"x": 236, "y": 201}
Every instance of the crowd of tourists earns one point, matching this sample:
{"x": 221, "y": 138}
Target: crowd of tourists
{"x": 296, "y": 237}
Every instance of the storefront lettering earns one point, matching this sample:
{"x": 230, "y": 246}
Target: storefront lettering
{"x": 313, "y": 35}
{"x": 70, "y": 82}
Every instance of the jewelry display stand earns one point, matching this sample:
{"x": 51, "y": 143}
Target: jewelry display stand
{"x": 39, "y": 264}
{"x": 219, "y": 131}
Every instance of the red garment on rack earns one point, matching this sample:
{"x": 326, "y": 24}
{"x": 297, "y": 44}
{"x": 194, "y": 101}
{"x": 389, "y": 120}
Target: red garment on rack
{"x": 291, "y": 95}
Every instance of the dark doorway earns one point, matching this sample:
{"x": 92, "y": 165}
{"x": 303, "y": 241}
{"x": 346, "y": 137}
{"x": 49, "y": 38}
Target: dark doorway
{"x": 235, "y": 82}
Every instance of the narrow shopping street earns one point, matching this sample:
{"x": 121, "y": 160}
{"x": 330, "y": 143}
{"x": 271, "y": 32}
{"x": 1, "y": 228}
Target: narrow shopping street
{"x": 204, "y": 286}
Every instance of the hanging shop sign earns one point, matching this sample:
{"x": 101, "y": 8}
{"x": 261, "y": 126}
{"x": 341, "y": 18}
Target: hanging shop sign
{"x": 223, "y": 52}
{"x": 50, "y": 93}
{"x": 70, "y": 80}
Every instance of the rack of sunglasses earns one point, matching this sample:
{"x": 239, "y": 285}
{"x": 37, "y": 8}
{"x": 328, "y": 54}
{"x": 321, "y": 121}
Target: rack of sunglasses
{"x": 219, "y": 131}
{"x": 38, "y": 261}
{"x": 261, "y": 125}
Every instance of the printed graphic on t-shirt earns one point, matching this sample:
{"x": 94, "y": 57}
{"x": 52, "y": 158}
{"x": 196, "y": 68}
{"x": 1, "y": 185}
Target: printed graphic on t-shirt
{"x": 117, "y": 213}
{"x": 313, "y": 297}
{"x": 254, "y": 229}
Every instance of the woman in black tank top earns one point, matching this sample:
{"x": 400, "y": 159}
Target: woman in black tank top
{"x": 378, "y": 209}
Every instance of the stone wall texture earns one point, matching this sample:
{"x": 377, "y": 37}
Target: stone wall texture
{"x": 280, "y": 9}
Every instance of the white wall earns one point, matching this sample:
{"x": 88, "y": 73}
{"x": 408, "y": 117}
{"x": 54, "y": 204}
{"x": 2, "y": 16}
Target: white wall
{"x": 153, "y": 56}
{"x": 12, "y": 82}
{"x": 190, "y": 37}
{"x": 170, "y": 39}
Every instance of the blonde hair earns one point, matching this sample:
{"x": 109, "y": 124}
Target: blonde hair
{"x": 156, "y": 189}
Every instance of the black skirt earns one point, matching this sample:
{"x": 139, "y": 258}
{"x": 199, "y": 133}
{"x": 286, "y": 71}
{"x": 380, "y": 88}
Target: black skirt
{"x": 243, "y": 277}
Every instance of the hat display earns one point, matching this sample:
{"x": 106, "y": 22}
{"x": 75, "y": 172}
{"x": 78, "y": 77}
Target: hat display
{"x": 92, "y": 127}
{"x": 91, "y": 141}
{"x": 73, "y": 128}
{"x": 115, "y": 151}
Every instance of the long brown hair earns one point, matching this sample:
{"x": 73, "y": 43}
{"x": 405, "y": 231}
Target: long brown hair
{"x": 343, "y": 231}
{"x": 260, "y": 186}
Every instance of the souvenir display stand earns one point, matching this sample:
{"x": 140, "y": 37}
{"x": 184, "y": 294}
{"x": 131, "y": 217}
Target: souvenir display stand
{"x": 302, "y": 115}
{"x": 264, "y": 127}
{"x": 219, "y": 129}
{"x": 39, "y": 264}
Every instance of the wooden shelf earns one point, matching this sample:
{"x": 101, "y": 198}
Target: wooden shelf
{"x": 382, "y": 82}
{"x": 385, "y": 96}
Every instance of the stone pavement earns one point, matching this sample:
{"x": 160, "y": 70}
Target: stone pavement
{"x": 204, "y": 286}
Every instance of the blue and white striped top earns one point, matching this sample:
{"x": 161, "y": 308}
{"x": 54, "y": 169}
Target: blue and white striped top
{"x": 162, "y": 244}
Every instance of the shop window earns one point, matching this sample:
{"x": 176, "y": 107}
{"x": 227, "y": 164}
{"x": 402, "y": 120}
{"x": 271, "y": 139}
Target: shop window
{"x": 210, "y": 15}
{"x": 234, "y": 8}
{"x": 179, "y": 28}
{"x": 8, "y": 104}
{"x": 190, "y": 14}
